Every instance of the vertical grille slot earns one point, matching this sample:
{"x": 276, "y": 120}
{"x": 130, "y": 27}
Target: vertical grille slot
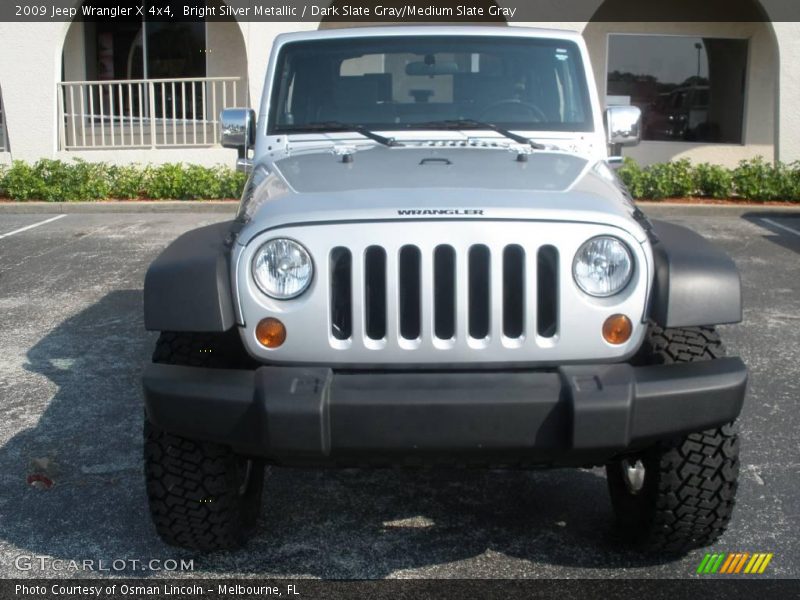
{"x": 547, "y": 292}
{"x": 444, "y": 292}
{"x": 341, "y": 273}
{"x": 479, "y": 303}
{"x": 410, "y": 292}
{"x": 513, "y": 291}
{"x": 375, "y": 292}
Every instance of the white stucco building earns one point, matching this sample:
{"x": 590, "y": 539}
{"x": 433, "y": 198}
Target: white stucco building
{"x": 711, "y": 91}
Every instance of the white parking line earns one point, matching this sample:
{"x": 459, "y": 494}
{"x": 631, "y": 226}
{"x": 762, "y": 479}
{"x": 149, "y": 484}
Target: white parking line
{"x": 779, "y": 226}
{"x": 21, "y": 229}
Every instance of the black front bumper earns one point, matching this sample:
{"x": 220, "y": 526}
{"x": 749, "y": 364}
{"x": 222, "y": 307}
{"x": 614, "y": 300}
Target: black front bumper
{"x": 576, "y": 415}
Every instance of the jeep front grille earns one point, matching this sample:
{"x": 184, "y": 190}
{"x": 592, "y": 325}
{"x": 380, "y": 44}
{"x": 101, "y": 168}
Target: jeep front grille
{"x": 478, "y": 285}
{"x": 442, "y": 295}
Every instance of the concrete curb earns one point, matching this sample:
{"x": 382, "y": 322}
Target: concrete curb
{"x": 715, "y": 210}
{"x": 229, "y": 207}
{"x": 159, "y": 206}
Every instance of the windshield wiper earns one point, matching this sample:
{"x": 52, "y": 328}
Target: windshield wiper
{"x": 338, "y": 126}
{"x": 473, "y": 124}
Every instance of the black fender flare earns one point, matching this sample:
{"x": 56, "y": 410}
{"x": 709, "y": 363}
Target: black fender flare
{"x": 696, "y": 283}
{"x": 188, "y": 286}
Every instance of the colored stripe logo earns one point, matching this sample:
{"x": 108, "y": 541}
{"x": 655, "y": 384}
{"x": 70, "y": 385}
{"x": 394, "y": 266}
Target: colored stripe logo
{"x": 735, "y": 563}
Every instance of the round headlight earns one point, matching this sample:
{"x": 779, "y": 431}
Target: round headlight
{"x": 603, "y": 266}
{"x": 282, "y": 269}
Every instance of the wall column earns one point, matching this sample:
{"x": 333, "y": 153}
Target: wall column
{"x": 29, "y": 70}
{"x": 787, "y": 121}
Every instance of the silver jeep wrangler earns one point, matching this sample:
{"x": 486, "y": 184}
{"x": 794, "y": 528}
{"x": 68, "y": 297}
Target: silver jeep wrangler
{"x": 434, "y": 264}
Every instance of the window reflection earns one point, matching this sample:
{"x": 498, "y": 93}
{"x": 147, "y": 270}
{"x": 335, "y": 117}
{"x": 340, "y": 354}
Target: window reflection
{"x": 689, "y": 88}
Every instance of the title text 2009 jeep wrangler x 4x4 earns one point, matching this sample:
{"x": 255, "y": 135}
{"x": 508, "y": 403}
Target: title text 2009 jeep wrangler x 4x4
{"x": 433, "y": 264}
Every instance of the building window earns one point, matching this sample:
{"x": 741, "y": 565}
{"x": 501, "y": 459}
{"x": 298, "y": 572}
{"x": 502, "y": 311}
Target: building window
{"x": 690, "y": 89}
{"x": 145, "y": 50}
{"x": 121, "y": 50}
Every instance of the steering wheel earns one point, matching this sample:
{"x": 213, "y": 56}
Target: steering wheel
{"x": 536, "y": 112}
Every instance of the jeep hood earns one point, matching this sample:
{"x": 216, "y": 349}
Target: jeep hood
{"x": 432, "y": 182}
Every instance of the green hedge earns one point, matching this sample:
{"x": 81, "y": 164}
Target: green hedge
{"x": 56, "y": 181}
{"x": 754, "y": 180}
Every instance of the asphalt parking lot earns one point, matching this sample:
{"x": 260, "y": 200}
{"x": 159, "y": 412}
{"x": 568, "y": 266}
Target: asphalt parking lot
{"x": 72, "y": 346}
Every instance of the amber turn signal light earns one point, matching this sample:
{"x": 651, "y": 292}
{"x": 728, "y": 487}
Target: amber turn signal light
{"x": 271, "y": 333}
{"x": 617, "y": 329}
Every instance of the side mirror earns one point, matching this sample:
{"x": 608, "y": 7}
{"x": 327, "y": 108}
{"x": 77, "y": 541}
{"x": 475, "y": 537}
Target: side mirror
{"x": 623, "y": 125}
{"x": 239, "y": 132}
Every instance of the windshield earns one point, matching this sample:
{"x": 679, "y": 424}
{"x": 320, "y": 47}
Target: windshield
{"x": 396, "y": 83}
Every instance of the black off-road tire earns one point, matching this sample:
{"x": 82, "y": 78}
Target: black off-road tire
{"x": 679, "y": 345}
{"x": 202, "y": 495}
{"x": 688, "y": 493}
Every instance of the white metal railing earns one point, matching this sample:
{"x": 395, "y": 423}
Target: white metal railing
{"x": 3, "y": 132}
{"x": 139, "y": 113}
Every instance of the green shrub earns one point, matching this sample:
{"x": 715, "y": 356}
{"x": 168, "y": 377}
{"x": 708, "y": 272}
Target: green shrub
{"x": 54, "y": 180}
{"x": 633, "y": 176}
{"x": 231, "y": 182}
{"x": 126, "y": 183}
{"x": 666, "y": 180}
{"x": 165, "y": 181}
{"x": 191, "y": 182}
{"x": 671, "y": 180}
{"x": 714, "y": 181}
{"x": 19, "y": 182}
{"x": 793, "y": 181}
{"x": 758, "y": 180}
{"x": 754, "y": 180}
